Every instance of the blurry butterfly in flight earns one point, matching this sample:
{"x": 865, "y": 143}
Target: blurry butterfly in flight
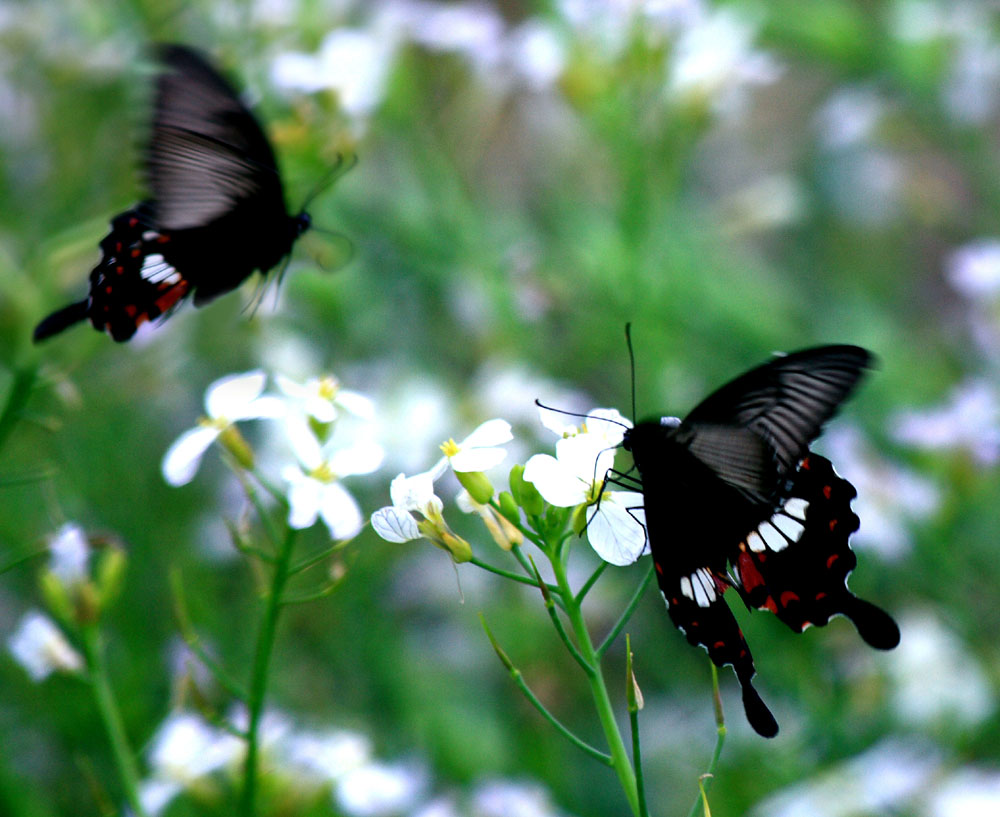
{"x": 216, "y": 211}
{"x": 734, "y": 498}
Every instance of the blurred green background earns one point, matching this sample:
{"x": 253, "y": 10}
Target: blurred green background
{"x": 733, "y": 178}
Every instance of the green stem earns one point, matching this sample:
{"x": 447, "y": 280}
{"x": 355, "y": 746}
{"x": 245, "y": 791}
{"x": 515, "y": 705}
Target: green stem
{"x": 625, "y": 616}
{"x": 507, "y": 574}
{"x": 17, "y": 397}
{"x": 709, "y": 776}
{"x": 591, "y": 582}
{"x": 128, "y": 770}
{"x": 634, "y": 698}
{"x": 550, "y": 606}
{"x": 261, "y": 665}
{"x": 599, "y": 691}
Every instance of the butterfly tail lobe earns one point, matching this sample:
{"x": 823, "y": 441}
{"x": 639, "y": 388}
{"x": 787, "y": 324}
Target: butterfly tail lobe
{"x": 62, "y": 319}
{"x": 873, "y": 624}
{"x": 758, "y": 715}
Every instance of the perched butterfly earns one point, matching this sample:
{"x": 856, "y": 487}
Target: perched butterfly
{"x": 216, "y": 213}
{"x": 734, "y": 498}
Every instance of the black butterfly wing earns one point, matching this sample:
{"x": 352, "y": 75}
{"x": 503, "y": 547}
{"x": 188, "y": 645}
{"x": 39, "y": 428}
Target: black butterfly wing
{"x": 785, "y": 402}
{"x": 697, "y": 608}
{"x": 207, "y": 155}
{"x": 796, "y": 563}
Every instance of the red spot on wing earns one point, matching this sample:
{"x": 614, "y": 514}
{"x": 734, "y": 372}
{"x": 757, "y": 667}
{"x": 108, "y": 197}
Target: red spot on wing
{"x": 749, "y": 574}
{"x": 769, "y": 605}
{"x": 659, "y": 568}
{"x": 827, "y": 491}
{"x": 831, "y": 560}
{"x": 833, "y": 524}
{"x": 787, "y": 597}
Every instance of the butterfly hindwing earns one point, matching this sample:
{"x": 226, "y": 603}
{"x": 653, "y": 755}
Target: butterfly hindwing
{"x": 797, "y": 566}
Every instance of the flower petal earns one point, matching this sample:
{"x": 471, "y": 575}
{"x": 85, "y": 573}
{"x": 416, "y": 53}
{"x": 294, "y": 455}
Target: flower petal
{"x": 412, "y": 493}
{"x": 556, "y": 421}
{"x": 586, "y": 456}
{"x": 363, "y": 457}
{"x": 303, "y": 440}
{"x": 340, "y": 512}
{"x": 304, "y": 499}
{"x": 357, "y": 404}
{"x": 69, "y": 553}
{"x": 229, "y": 395}
{"x": 490, "y": 433}
{"x": 320, "y": 408}
{"x": 182, "y": 459}
{"x": 614, "y": 533}
{"x": 557, "y": 484}
{"x": 477, "y": 459}
{"x": 268, "y": 407}
{"x": 395, "y": 525}
{"x": 608, "y": 424}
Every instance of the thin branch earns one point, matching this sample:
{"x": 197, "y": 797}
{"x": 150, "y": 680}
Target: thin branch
{"x": 705, "y": 781}
{"x": 515, "y": 674}
{"x": 507, "y": 574}
{"x": 634, "y": 698}
{"x": 587, "y": 585}
{"x": 627, "y": 614}
{"x": 550, "y": 606}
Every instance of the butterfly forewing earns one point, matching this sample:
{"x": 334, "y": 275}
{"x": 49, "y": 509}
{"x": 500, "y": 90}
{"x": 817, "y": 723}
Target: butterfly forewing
{"x": 206, "y": 151}
{"x": 787, "y": 400}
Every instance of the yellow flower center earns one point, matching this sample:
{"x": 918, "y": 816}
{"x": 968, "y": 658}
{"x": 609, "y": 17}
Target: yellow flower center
{"x": 323, "y": 473}
{"x": 450, "y": 448}
{"x": 328, "y": 387}
{"x": 220, "y": 423}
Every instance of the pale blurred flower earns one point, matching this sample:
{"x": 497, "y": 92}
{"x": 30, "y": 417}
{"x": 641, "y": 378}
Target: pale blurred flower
{"x": 474, "y": 30}
{"x": 228, "y": 400}
{"x": 890, "y": 498}
{"x": 935, "y": 680}
{"x": 974, "y": 268}
{"x": 354, "y": 63}
{"x": 849, "y": 117}
{"x": 314, "y": 490}
{"x": 380, "y": 789}
{"x": 323, "y": 398}
{"x": 713, "y": 61}
{"x": 507, "y": 798}
{"x": 69, "y": 554}
{"x": 186, "y": 748}
{"x": 575, "y": 476}
{"x": 40, "y": 647}
{"x": 969, "y": 420}
{"x": 536, "y": 54}
{"x": 884, "y": 779}
{"x": 970, "y": 91}
{"x": 327, "y": 756}
{"x": 969, "y": 792}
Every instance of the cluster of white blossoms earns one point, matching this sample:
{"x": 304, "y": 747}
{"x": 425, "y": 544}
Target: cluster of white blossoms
{"x": 308, "y": 414}
{"x": 573, "y": 478}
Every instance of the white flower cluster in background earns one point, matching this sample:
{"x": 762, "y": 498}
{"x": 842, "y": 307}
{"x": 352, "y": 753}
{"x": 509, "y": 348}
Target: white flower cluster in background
{"x": 308, "y": 413}
{"x": 187, "y": 751}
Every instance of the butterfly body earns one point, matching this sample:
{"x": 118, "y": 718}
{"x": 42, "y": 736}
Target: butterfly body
{"x": 216, "y": 214}
{"x": 733, "y": 498}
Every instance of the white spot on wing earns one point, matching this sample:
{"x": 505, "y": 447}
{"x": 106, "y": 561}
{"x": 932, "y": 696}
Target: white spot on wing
{"x": 792, "y": 528}
{"x": 156, "y": 270}
{"x": 686, "y": 587}
{"x": 704, "y": 588}
{"x": 796, "y": 507}
{"x": 772, "y": 536}
{"x": 755, "y": 543}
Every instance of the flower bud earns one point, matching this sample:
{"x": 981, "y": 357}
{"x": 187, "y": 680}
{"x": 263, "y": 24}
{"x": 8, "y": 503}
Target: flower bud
{"x": 110, "y": 575}
{"x": 579, "y": 519}
{"x": 235, "y": 444}
{"x": 477, "y": 484}
{"x": 525, "y": 494}
{"x": 508, "y": 507}
{"x": 461, "y": 551}
{"x": 57, "y": 597}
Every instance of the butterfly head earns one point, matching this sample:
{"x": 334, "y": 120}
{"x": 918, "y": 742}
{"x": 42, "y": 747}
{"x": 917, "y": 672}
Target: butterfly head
{"x": 301, "y": 223}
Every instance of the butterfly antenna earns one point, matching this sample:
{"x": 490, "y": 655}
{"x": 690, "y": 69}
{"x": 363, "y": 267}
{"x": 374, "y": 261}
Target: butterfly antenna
{"x": 540, "y": 404}
{"x": 631, "y": 363}
{"x": 341, "y": 167}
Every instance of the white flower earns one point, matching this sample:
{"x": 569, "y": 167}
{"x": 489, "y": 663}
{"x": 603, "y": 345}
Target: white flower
{"x": 327, "y": 756}
{"x": 974, "y": 268}
{"x": 478, "y": 451}
{"x": 507, "y": 798}
{"x": 323, "y": 398}
{"x": 314, "y": 490}
{"x": 396, "y": 523}
{"x": 380, "y": 790}
{"x": 575, "y": 476}
{"x": 970, "y": 419}
{"x": 353, "y": 63}
{"x": 186, "y": 748}
{"x": 40, "y": 647}
{"x": 228, "y": 400}
{"x": 69, "y": 553}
